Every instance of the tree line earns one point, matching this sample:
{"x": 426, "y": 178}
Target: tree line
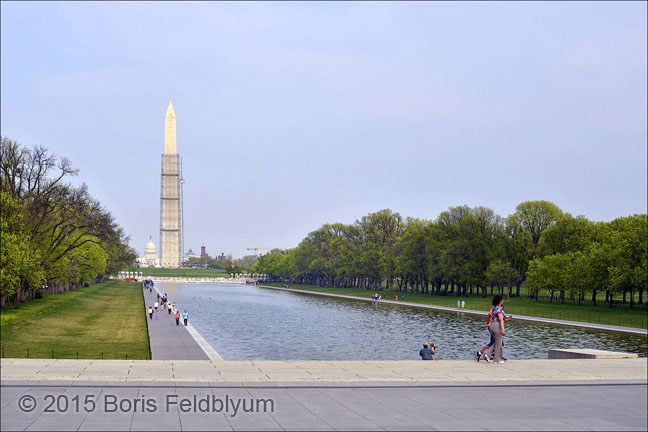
{"x": 466, "y": 251}
{"x": 54, "y": 234}
{"x": 227, "y": 264}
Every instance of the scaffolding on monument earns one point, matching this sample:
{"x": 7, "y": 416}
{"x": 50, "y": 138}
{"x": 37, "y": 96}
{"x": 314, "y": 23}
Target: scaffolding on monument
{"x": 181, "y": 216}
{"x": 171, "y": 221}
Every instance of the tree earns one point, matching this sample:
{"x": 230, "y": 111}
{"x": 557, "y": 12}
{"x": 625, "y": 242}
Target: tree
{"x": 627, "y": 245}
{"x": 569, "y": 234}
{"x": 409, "y": 255}
{"x": 501, "y": 274}
{"x": 379, "y": 232}
{"x": 246, "y": 262}
{"x": 470, "y": 241}
{"x": 534, "y": 218}
{"x": 18, "y": 264}
{"x": 52, "y": 230}
{"x": 526, "y": 230}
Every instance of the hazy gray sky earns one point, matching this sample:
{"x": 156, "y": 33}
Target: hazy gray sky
{"x": 291, "y": 115}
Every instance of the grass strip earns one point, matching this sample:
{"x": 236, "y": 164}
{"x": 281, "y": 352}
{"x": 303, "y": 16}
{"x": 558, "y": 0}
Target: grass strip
{"x": 105, "y": 320}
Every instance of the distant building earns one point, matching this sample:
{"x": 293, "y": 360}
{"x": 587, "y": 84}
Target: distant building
{"x": 150, "y": 258}
{"x": 191, "y": 254}
{"x": 203, "y": 252}
{"x": 221, "y": 257}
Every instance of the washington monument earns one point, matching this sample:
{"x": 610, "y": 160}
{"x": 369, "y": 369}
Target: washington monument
{"x": 171, "y": 244}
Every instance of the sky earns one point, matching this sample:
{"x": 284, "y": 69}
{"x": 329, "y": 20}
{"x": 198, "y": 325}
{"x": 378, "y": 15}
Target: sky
{"x": 291, "y": 115}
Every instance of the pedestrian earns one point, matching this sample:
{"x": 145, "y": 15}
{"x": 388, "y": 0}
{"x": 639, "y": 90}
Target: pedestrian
{"x": 150, "y": 311}
{"x": 177, "y": 317}
{"x": 174, "y": 308}
{"x": 155, "y": 305}
{"x": 426, "y": 353}
{"x": 463, "y": 305}
{"x": 156, "y": 314}
{"x": 150, "y": 290}
{"x": 185, "y": 316}
{"x": 458, "y": 304}
{"x": 169, "y": 309}
{"x": 433, "y": 348}
{"x": 496, "y": 328}
{"x": 486, "y": 353}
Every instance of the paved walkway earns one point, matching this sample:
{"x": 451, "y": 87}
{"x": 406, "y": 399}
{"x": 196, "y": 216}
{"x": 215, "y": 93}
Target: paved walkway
{"x": 608, "y": 394}
{"x": 405, "y": 371}
{"x": 490, "y": 406}
{"x": 170, "y": 341}
{"x": 620, "y": 329}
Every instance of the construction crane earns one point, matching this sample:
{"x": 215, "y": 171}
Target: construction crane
{"x": 256, "y": 249}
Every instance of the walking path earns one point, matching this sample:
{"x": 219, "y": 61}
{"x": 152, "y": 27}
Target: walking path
{"x": 620, "y": 329}
{"x": 401, "y": 371}
{"x": 169, "y": 341}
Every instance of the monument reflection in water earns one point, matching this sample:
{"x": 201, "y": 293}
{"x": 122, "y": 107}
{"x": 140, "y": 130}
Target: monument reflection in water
{"x": 246, "y": 322}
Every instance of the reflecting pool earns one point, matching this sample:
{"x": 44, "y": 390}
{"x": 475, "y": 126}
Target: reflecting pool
{"x": 246, "y": 322}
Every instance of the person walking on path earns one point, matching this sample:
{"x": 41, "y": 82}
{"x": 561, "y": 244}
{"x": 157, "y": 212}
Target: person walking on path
{"x": 156, "y": 305}
{"x": 177, "y": 317}
{"x": 486, "y": 353}
{"x": 169, "y": 307}
{"x": 185, "y": 316}
{"x": 156, "y": 314}
{"x": 150, "y": 311}
{"x": 496, "y": 328}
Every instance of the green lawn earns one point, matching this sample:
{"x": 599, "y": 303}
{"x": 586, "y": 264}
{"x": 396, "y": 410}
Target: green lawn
{"x": 622, "y": 316}
{"x": 106, "y": 318}
{"x": 179, "y": 272}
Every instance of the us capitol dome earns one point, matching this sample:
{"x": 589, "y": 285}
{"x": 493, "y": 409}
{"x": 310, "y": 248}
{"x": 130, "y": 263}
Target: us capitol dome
{"x": 150, "y": 258}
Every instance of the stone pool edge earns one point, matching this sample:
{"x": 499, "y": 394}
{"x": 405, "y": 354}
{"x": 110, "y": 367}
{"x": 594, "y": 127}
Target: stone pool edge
{"x": 263, "y": 371}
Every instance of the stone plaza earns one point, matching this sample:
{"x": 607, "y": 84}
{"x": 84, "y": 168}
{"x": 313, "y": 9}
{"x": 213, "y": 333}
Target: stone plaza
{"x": 311, "y": 395}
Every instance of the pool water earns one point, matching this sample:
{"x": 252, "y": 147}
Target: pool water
{"x": 245, "y": 322}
